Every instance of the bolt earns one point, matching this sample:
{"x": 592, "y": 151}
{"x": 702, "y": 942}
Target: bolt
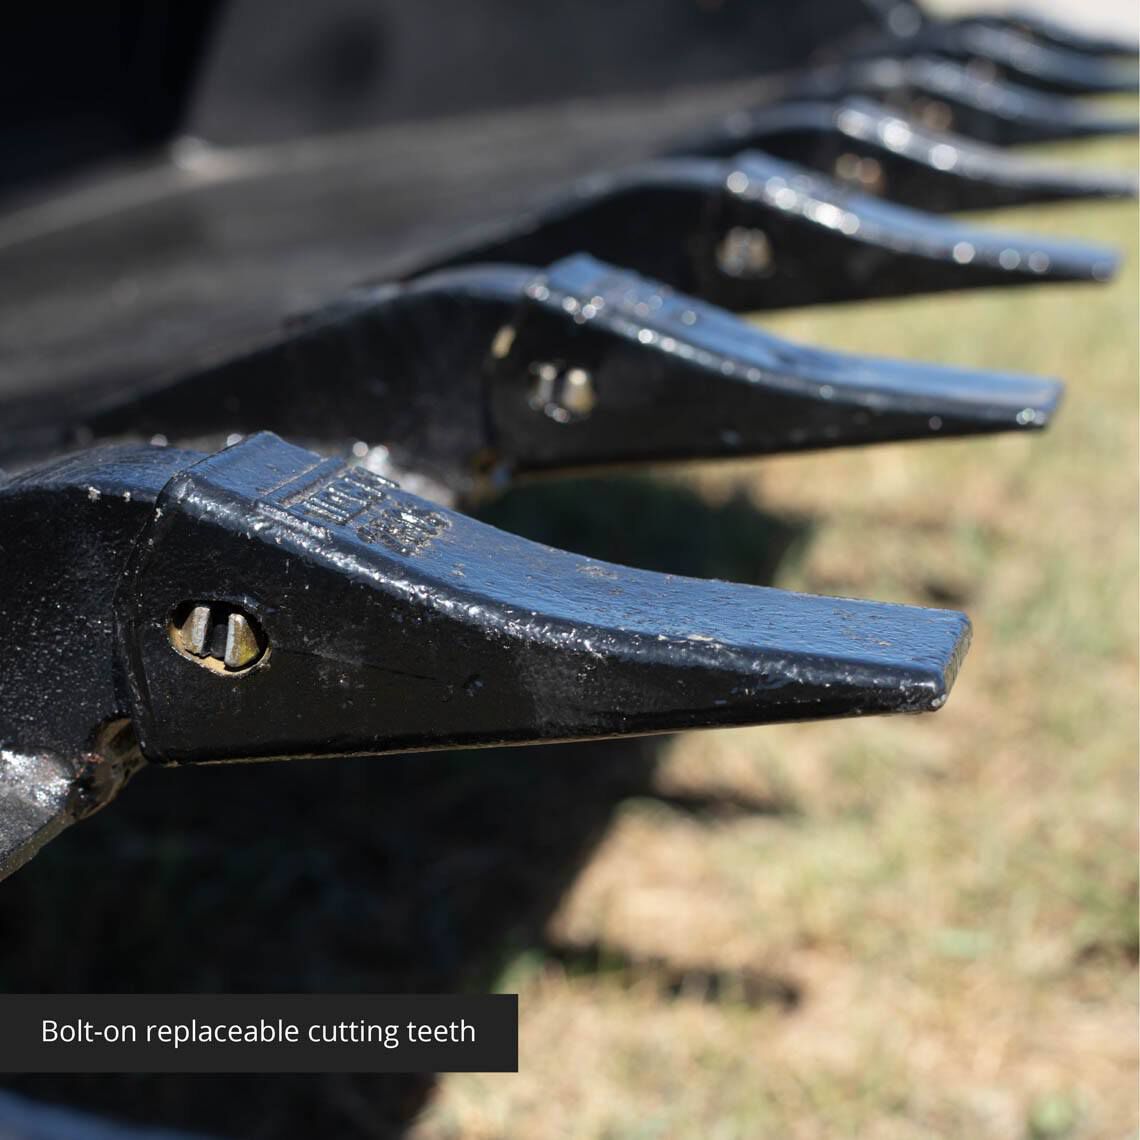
{"x": 564, "y": 394}
{"x": 745, "y": 252}
{"x": 218, "y": 636}
{"x": 935, "y": 114}
{"x": 984, "y": 70}
{"x": 864, "y": 173}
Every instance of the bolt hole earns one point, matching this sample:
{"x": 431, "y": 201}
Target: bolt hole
{"x": 217, "y": 636}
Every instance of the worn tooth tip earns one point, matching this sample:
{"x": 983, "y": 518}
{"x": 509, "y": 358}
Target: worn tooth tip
{"x": 1033, "y": 417}
{"x": 1104, "y": 270}
{"x": 241, "y": 643}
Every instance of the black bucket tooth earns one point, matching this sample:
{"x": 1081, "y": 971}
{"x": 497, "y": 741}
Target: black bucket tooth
{"x": 668, "y": 377}
{"x": 754, "y": 232}
{"x": 1057, "y": 34}
{"x": 946, "y": 96}
{"x": 1005, "y": 53}
{"x": 1047, "y": 67}
{"x": 904, "y": 19}
{"x": 1039, "y": 29}
{"x": 876, "y": 150}
{"x": 577, "y": 365}
{"x": 316, "y": 609}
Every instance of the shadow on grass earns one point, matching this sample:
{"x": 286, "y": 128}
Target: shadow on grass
{"x": 424, "y": 873}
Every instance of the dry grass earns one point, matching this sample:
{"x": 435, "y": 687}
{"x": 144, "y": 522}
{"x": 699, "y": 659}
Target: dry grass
{"x": 953, "y": 897}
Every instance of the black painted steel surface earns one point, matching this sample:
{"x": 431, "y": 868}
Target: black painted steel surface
{"x": 681, "y": 220}
{"x": 948, "y": 96}
{"x": 880, "y": 151}
{"x": 383, "y": 623}
{"x": 486, "y": 371}
{"x": 1006, "y": 53}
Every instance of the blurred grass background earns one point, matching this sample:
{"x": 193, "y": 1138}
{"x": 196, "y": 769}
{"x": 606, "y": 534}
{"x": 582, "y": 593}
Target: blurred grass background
{"x": 934, "y": 930}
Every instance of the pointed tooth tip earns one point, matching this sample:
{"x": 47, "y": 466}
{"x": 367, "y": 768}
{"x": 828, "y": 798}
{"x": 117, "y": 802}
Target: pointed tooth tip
{"x": 1074, "y": 181}
{"x": 927, "y": 684}
{"x": 930, "y": 692}
{"x": 944, "y": 680}
{"x": 1105, "y": 267}
{"x": 1040, "y": 403}
{"x": 1039, "y": 415}
{"x": 1107, "y": 184}
{"x": 918, "y": 680}
{"x": 1045, "y": 260}
{"x": 1114, "y": 126}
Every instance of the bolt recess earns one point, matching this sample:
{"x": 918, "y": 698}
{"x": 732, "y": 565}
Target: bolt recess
{"x": 218, "y": 636}
{"x": 564, "y": 394}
